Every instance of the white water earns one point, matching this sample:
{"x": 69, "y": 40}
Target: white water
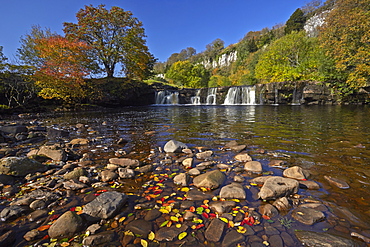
{"x": 195, "y": 100}
{"x": 244, "y": 95}
{"x": 211, "y": 96}
{"x": 167, "y": 98}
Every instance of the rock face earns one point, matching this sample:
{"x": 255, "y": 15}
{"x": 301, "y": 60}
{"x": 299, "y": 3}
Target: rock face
{"x": 18, "y": 166}
{"x": 212, "y": 179}
{"x": 173, "y": 146}
{"x": 309, "y": 238}
{"x": 275, "y": 187}
{"x": 66, "y": 225}
{"x": 106, "y": 205}
{"x": 232, "y": 191}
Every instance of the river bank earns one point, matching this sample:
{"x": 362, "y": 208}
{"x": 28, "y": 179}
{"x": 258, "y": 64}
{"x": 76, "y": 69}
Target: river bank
{"x": 105, "y": 191}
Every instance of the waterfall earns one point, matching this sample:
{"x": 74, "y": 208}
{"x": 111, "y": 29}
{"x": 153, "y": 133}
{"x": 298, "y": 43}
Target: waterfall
{"x": 295, "y": 98}
{"x": 166, "y": 98}
{"x": 244, "y": 95}
{"x": 195, "y": 100}
{"x": 211, "y": 96}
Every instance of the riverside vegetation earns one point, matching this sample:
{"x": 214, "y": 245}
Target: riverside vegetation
{"x": 71, "y": 186}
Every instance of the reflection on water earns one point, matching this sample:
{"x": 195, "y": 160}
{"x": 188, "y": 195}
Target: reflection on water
{"x": 328, "y": 140}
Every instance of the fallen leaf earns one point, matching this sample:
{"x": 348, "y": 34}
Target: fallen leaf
{"x": 182, "y": 235}
{"x": 151, "y": 236}
{"x": 43, "y": 228}
{"x": 144, "y": 243}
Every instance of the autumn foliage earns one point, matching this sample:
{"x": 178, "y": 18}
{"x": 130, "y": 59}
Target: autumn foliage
{"x": 64, "y": 66}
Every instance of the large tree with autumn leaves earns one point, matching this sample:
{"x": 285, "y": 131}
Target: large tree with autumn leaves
{"x": 116, "y": 37}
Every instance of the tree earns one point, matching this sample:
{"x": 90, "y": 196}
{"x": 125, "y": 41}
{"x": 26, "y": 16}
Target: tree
{"x": 293, "y": 57}
{"x": 3, "y": 59}
{"x": 345, "y": 37}
{"x": 115, "y": 36}
{"x": 27, "y": 53}
{"x": 186, "y": 74}
{"x": 65, "y": 64}
{"x": 295, "y": 22}
{"x": 214, "y": 48}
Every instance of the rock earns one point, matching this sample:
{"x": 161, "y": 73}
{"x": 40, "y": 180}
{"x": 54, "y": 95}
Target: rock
{"x": 253, "y": 166}
{"x": 152, "y": 215}
{"x": 107, "y": 176}
{"x": 282, "y": 204}
{"x": 140, "y": 227}
{"x": 32, "y": 235}
{"x": 20, "y": 166}
{"x": 270, "y": 230}
{"x": 194, "y": 172}
{"x": 38, "y": 204}
{"x": 276, "y": 240}
{"x": 94, "y": 228}
{"x": 67, "y": 225}
{"x": 296, "y": 172}
{"x": 309, "y": 238}
{"x": 307, "y": 216}
{"x": 79, "y": 141}
{"x": 8, "y": 238}
{"x": 222, "y": 206}
{"x": 187, "y": 163}
{"x": 204, "y": 155}
{"x": 243, "y": 157}
{"x": 106, "y": 205}
{"x": 230, "y": 144}
{"x": 362, "y": 237}
{"x": 12, "y": 212}
{"x": 337, "y": 182}
{"x": 214, "y": 230}
{"x": 318, "y": 206}
{"x": 288, "y": 240}
{"x": 276, "y": 163}
{"x": 232, "y": 238}
{"x": 75, "y": 174}
{"x": 13, "y": 129}
{"x": 73, "y": 185}
{"x": 169, "y": 233}
{"x": 260, "y": 180}
{"x": 212, "y": 179}
{"x": 238, "y": 148}
{"x": 6, "y": 179}
{"x": 145, "y": 169}
{"x": 173, "y": 146}
{"x": 268, "y": 210}
{"x": 196, "y": 195}
{"x": 53, "y": 133}
{"x": 309, "y": 185}
{"x": 100, "y": 239}
{"x": 36, "y": 215}
{"x": 233, "y": 191}
{"x": 275, "y": 187}
{"x": 189, "y": 215}
{"x": 126, "y": 173}
{"x": 124, "y": 162}
{"x": 181, "y": 179}
{"x": 54, "y": 152}
{"x": 345, "y": 213}
{"x": 239, "y": 179}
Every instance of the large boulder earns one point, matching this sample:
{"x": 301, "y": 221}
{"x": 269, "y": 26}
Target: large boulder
{"x": 106, "y": 205}
{"x": 276, "y": 187}
{"x": 173, "y": 146}
{"x": 211, "y": 180}
{"x": 20, "y": 166}
{"x": 66, "y": 225}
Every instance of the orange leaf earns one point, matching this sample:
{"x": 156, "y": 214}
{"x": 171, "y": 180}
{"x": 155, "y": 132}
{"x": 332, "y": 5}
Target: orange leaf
{"x": 43, "y": 228}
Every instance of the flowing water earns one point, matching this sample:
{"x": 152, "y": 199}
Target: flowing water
{"x": 327, "y": 140}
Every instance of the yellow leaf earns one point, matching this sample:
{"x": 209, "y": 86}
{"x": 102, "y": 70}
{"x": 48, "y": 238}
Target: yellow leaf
{"x": 300, "y": 213}
{"x": 184, "y": 189}
{"x": 182, "y": 235}
{"x": 121, "y": 219}
{"x": 178, "y": 225}
{"x": 144, "y": 243}
{"x": 174, "y": 218}
{"x": 224, "y": 220}
{"x": 164, "y": 211}
{"x": 241, "y": 229}
{"x": 151, "y": 235}
{"x": 78, "y": 209}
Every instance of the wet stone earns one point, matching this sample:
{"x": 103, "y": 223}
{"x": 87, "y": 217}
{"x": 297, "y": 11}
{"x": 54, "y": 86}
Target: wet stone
{"x": 126, "y": 173}
{"x": 222, "y": 206}
{"x": 187, "y": 163}
{"x": 307, "y": 216}
{"x": 337, "y": 182}
{"x": 107, "y": 176}
{"x": 253, "y": 166}
{"x": 243, "y": 157}
{"x": 268, "y": 210}
{"x": 231, "y": 238}
{"x": 194, "y": 172}
{"x": 287, "y": 239}
{"x": 169, "y": 233}
{"x": 124, "y": 162}
{"x": 12, "y": 212}
{"x": 239, "y": 179}
{"x": 8, "y": 238}
{"x": 66, "y": 225}
{"x": 152, "y": 215}
{"x": 276, "y": 241}
{"x": 145, "y": 169}
{"x": 32, "y": 235}
{"x": 37, "y": 214}
{"x": 323, "y": 239}
{"x": 100, "y": 239}
{"x": 233, "y": 191}
{"x": 275, "y": 187}
{"x": 309, "y": 185}
{"x": 204, "y": 155}
{"x": 174, "y": 146}
{"x": 214, "y": 230}
{"x": 73, "y": 185}
{"x": 269, "y": 230}
{"x": 181, "y": 179}
{"x": 212, "y": 179}
{"x": 75, "y": 174}
{"x": 140, "y": 227}
{"x": 282, "y": 204}
{"x": 296, "y": 172}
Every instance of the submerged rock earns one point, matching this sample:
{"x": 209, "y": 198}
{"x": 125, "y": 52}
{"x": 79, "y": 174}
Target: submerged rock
{"x": 215, "y": 230}
{"x": 307, "y": 216}
{"x": 337, "y": 182}
{"x": 309, "y": 238}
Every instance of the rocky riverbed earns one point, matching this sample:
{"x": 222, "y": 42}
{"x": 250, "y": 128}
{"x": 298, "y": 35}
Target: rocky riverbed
{"x": 58, "y": 190}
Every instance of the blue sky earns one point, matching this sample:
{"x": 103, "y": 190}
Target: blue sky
{"x": 170, "y": 25}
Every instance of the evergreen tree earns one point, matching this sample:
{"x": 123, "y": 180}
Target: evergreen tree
{"x": 296, "y": 22}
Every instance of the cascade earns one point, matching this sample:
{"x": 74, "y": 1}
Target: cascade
{"x": 211, "y": 96}
{"x": 295, "y": 98}
{"x": 244, "y": 95}
{"x": 195, "y": 100}
{"x": 166, "y": 98}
